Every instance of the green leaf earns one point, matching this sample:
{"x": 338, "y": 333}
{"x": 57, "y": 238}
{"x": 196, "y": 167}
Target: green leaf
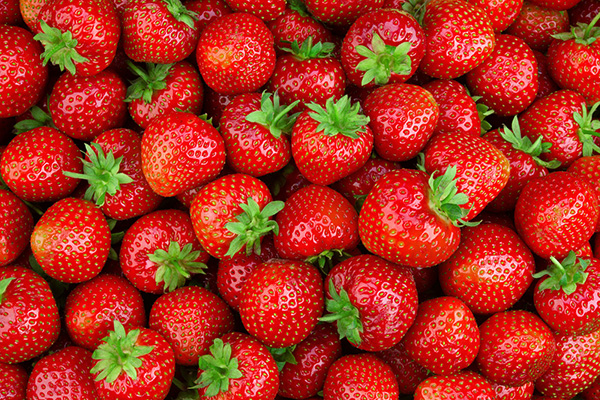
{"x": 383, "y": 61}
{"x": 217, "y": 369}
{"x": 339, "y": 117}
{"x": 273, "y": 115}
{"x": 524, "y": 144}
{"x": 345, "y": 314}
{"x": 565, "y": 275}
{"x": 149, "y": 80}
{"x": 445, "y": 199}
{"x": 176, "y": 265}
{"x": 59, "y": 48}
{"x": 588, "y": 128}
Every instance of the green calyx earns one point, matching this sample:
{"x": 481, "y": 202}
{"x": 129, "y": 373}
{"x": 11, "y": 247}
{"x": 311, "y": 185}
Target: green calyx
{"x": 584, "y": 34}
{"x": 118, "y": 354}
{"x": 299, "y": 7}
{"x": 524, "y": 144}
{"x": 253, "y": 224}
{"x": 3, "y": 286}
{"x": 38, "y": 119}
{"x": 325, "y": 259}
{"x": 282, "y": 356}
{"x": 149, "y": 80}
{"x": 564, "y": 276}
{"x": 445, "y": 199}
{"x": 345, "y": 314}
{"x": 308, "y": 50}
{"x": 416, "y": 8}
{"x": 383, "y": 60}
{"x": 588, "y": 128}
{"x": 181, "y": 13}
{"x": 273, "y": 115}
{"x": 176, "y": 265}
{"x": 218, "y": 368}
{"x": 102, "y": 173}
{"x": 59, "y": 48}
{"x": 339, "y": 117}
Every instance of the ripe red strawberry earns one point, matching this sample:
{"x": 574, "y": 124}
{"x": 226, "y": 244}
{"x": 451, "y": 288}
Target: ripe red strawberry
{"x": 92, "y": 307}
{"x": 255, "y": 129}
{"x": 403, "y": 117}
{"x": 507, "y": 80}
{"x": 566, "y": 295}
{"x": 368, "y": 321}
{"x": 556, "y": 4}
{"x": 136, "y": 364}
{"x": 482, "y": 170}
{"x": 503, "y": 358}
{"x": 491, "y": 269}
{"x": 267, "y": 10}
{"x": 501, "y": 13}
{"x": 10, "y": 13}
{"x": 575, "y": 366}
{"x": 556, "y": 213}
{"x": 382, "y": 46}
{"x": 408, "y": 372}
{"x": 360, "y": 373}
{"x": 588, "y": 168}
{"x": 444, "y": 337}
{"x": 100, "y": 104}
{"x": 289, "y": 313}
{"x": 303, "y": 376}
{"x": 466, "y": 385}
{"x": 63, "y": 375}
{"x": 523, "y": 392}
{"x": 220, "y": 203}
{"x": 584, "y": 11}
{"x": 459, "y": 37}
{"x": 180, "y": 151}
{"x": 29, "y": 314}
{"x": 238, "y": 68}
{"x": 13, "y": 381}
{"x": 190, "y": 318}
{"x": 238, "y": 367}
{"x": 71, "y": 240}
{"x": 160, "y": 251}
{"x": 161, "y": 88}
{"x": 331, "y": 142}
{"x": 42, "y": 148}
{"x": 80, "y": 36}
{"x": 593, "y": 391}
{"x": 16, "y": 225}
{"x": 536, "y": 25}
{"x": 207, "y": 10}
{"x": 158, "y": 31}
{"x": 30, "y": 10}
{"x": 316, "y": 223}
{"x": 341, "y": 12}
{"x": 25, "y": 77}
{"x": 545, "y": 83}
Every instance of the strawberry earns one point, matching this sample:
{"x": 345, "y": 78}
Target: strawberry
{"x": 267, "y": 10}
{"x": 523, "y": 392}
{"x": 158, "y": 31}
{"x": 71, "y": 240}
{"x": 255, "y": 129}
{"x": 237, "y": 367}
{"x": 136, "y": 364}
{"x": 331, "y": 142}
{"x": 444, "y": 337}
{"x": 360, "y": 373}
{"x": 160, "y": 251}
{"x": 382, "y": 46}
{"x": 190, "y": 318}
{"x": 304, "y": 376}
{"x": 491, "y": 269}
{"x": 584, "y": 11}
{"x": 44, "y": 149}
{"x": 502, "y": 13}
{"x": 403, "y": 117}
{"x": 545, "y": 83}
{"x": 341, "y": 12}
{"x": 10, "y": 13}
{"x": 574, "y": 367}
{"x": 503, "y": 358}
{"x": 161, "y": 88}
{"x": 25, "y": 77}
{"x": 536, "y": 25}
{"x": 556, "y": 4}
{"x": 588, "y": 168}
{"x": 180, "y": 151}
{"x": 408, "y": 372}
{"x": 238, "y": 68}
{"x": 30, "y": 10}
{"x": 13, "y": 381}
{"x": 79, "y": 36}
{"x": 16, "y": 225}
{"x": 63, "y": 375}
{"x": 316, "y": 223}
{"x": 507, "y": 80}
{"x": 368, "y": 322}
{"x": 207, "y": 10}
{"x": 220, "y": 203}
{"x": 466, "y": 385}
{"x": 29, "y": 314}
{"x": 459, "y": 37}
{"x": 565, "y": 295}
{"x": 92, "y": 307}
{"x": 100, "y": 104}
{"x": 593, "y": 391}
{"x": 286, "y": 316}
{"x": 556, "y": 213}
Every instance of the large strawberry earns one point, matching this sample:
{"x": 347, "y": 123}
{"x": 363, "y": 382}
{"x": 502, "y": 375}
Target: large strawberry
{"x": 180, "y": 151}
{"x": 16, "y": 225}
{"x": 466, "y": 385}
{"x": 30, "y": 321}
{"x": 536, "y": 25}
{"x": 80, "y": 36}
{"x": 501, "y": 13}
{"x": 24, "y": 75}
{"x": 341, "y": 12}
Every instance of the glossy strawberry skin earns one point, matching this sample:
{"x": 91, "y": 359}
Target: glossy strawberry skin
{"x": 93, "y": 305}
{"x": 523, "y": 392}
{"x": 207, "y": 11}
{"x": 293, "y": 25}
{"x": 588, "y": 168}
{"x": 32, "y": 322}
{"x": 190, "y": 318}
{"x": 13, "y": 381}
{"x": 71, "y": 240}
{"x": 25, "y": 76}
{"x": 501, "y": 13}
{"x": 341, "y": 13}
{"x": 467, "y": 385}
{"x": 180, "y": 151}
{"x": 536, "y": 25}
{"x": 567, "y": 205}
{"x": 408, "y": 372}
{"x": 63, "y": 375}
{"x": 266, "y": 10}
{"x": 16, "y": 225}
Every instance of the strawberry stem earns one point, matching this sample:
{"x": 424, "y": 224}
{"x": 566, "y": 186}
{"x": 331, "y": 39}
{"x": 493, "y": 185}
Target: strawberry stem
{"x": 346, "y": 315}
{"x": 176, "y": 265}
{"x": 383, "y": 60}
{"x": 181, "y": 13}
{"x": 274, "y": 116}
{"x": 218, "y": 368}
{"x": 339, "y": 117}
{"x": 149, "y": 80}
{"x": 565, "y": 275}
{"x": 38, "y": 119}
{"x": 308, "y": 50}
{"x": 524, "y": 144}
{"x": 59, "y": 48}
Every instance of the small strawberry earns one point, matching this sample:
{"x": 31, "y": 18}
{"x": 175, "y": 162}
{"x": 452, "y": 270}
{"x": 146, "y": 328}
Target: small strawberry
{"x": 13, "y": 381}
{"x": 466, "y": 385}
{"x": 267, "y": 10}
{"x": 536, "y": 25}
{"x": 504, "y": 392}
{"x": 408, "y": 372}
{"x": 341, "y": 12}
{"x": 501, "y": 13}
{"x": 16, "y": 225}
{"x": 207, "y": 10}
